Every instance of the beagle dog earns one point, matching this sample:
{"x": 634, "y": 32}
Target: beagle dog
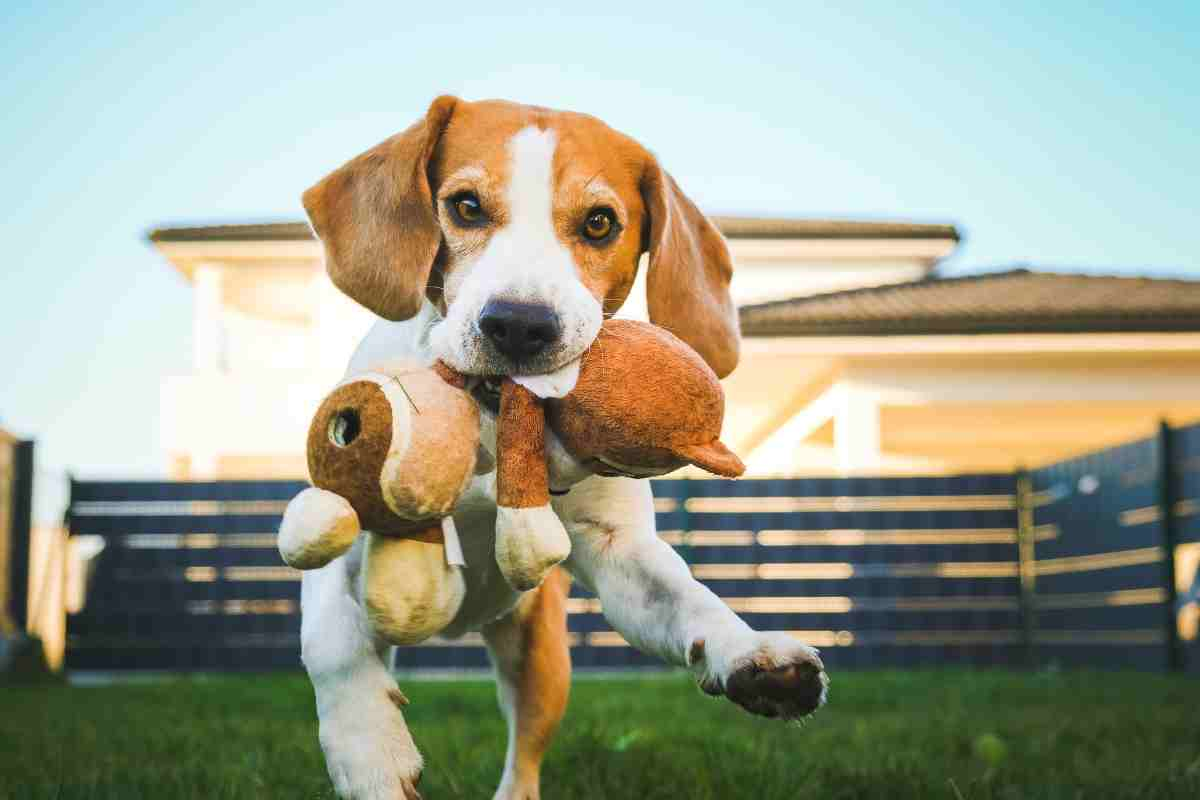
{"x": 497, "y": 237}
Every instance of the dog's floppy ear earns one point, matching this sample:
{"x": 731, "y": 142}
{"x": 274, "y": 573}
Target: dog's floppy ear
{"x": 687, "y": 285}
{"x": 376, "y": 218}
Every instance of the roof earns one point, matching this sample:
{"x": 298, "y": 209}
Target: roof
{"x": 254, "y": 232}
{"x": 1016, "y": 301}
{"x": 732, "y": 227}
{"x": 782, "y": 228}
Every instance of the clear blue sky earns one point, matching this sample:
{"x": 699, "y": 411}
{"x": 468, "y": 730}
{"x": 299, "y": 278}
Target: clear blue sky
{"x": 1053, "y": 133}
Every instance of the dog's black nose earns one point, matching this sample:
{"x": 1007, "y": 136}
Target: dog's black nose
{"x": 519, "y": 330}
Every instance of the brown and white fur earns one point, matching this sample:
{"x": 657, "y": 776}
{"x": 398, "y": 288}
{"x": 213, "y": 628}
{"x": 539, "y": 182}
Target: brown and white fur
{"x": 395, "y": 243}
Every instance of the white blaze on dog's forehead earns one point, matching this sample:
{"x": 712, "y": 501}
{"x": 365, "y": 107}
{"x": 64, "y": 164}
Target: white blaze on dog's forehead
{"x": 533, "y": 251}
{"x": 531, "y": 181}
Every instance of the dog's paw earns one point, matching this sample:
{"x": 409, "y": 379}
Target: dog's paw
{"x": 370, "y": 756}
{"x": 512, "y": 788}
{"x": 773, "y": 675}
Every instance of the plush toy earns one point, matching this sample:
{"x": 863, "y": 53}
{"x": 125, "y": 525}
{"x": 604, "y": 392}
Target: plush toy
{"x": 644, "y": 404}
{"x": 391, "y": 453}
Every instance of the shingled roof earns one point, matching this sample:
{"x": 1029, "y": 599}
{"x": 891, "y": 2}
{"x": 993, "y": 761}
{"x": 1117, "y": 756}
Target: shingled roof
{"x": 1016, "y": 301}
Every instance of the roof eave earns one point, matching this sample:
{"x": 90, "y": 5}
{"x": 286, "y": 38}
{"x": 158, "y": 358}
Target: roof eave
{"x": 732, "y": 228}
{"x": 972, "y": 327}
{"x": 290, "y": 231}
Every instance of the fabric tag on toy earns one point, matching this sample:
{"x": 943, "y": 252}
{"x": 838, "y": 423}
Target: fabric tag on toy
{"x": 454, "y": 553}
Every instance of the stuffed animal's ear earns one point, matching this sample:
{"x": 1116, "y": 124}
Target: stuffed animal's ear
{"x": 376, "y": 218}
{"x": 687, "y": 286}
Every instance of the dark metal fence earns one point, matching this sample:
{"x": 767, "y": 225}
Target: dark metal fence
{"x": 1182, "y": 497}
{"x": 1098, "y": 576}
{"x": 189, "y": 577}
{"x": 16, "y": 510}
{"x": 1117, "y": 542}
{"x": 875, "y": 571}
{"x": 1066, "y": 564}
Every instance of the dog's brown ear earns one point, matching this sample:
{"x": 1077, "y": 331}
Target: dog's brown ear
{"x": 376, "y": 218}
{"x": 687, "y": 285}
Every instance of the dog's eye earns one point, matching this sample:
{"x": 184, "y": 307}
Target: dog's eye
{"x": 600, "y": 224}
{"x": 467, "y": 209}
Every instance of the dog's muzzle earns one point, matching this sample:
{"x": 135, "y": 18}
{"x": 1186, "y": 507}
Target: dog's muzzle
{"x": 519, "y": 331}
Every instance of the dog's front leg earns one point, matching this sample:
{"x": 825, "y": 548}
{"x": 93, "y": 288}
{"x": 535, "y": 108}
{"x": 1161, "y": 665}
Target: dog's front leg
{"x": 368, "y": 750}
{"x": 649, "y": 595}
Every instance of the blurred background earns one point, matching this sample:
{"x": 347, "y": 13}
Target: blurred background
{"x": 965, "y": 249}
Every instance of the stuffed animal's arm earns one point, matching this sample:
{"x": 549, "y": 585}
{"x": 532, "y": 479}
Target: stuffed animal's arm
{"x": 530, "y": 538}
{"x": 318, "y": 526}
{"x": 521, "y": 477}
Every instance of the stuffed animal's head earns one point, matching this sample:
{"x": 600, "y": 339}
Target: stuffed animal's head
{"x": 400, "y": 447}
{"x": 645, "y": 404}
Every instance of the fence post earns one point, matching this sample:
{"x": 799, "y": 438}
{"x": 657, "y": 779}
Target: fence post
{"x": 21, "y": 529}
{"x": 1168, "y": 495}
{"x": 1026, "y": 565}
{"x": 68, "y": 520}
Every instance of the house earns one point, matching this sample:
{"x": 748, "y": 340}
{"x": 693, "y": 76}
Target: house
{"x": 271, "y": 334}
{"x": 857, "y": 358}
{"x": 973, "y": 374}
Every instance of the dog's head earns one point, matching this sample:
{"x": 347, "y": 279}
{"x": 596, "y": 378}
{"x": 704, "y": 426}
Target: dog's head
{"x": 524, "y": 226}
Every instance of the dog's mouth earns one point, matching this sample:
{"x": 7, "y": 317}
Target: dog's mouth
{"x": 486, "y": 388}
{"x": 486, "y": 392}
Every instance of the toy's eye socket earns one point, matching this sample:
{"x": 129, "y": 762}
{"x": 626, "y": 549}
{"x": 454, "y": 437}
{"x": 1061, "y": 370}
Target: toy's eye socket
{"x": 344, "y": 427}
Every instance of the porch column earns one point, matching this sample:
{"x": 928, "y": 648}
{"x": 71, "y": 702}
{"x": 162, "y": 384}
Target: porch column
{"x": 206, "y": 318}
{"x": 856, "y": 434}
{"x": 207, "y": 336}
{"x": 331, "y": 329}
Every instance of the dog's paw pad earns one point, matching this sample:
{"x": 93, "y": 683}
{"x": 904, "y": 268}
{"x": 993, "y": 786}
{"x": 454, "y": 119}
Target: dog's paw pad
{"x": 788, "y": 686}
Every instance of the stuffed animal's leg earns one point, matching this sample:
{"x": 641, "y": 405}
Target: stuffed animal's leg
{"x": 408, "y": 589}
{"x": 529, "y": 543}
{"x": 368, "y": 750}
{"x": 530, "y": 538}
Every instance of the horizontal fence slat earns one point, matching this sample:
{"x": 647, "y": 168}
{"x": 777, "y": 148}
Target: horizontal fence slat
{"x": 159, "y": 524}
{"x": 83, "y": 492}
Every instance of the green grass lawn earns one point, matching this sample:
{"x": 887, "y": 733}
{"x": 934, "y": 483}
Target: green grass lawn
{"x": 884, "y": 735}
